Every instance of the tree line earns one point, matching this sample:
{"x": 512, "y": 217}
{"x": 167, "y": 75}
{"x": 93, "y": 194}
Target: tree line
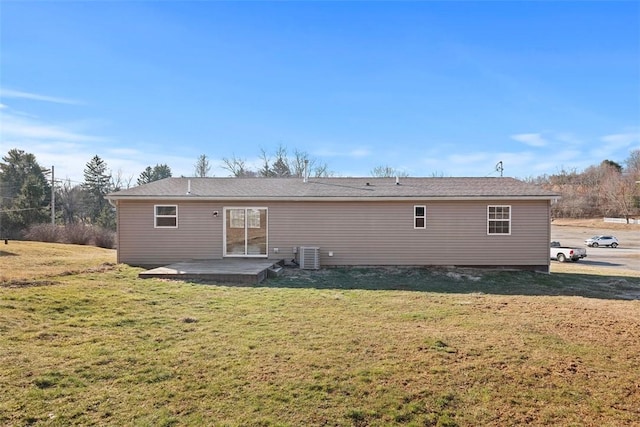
{"x": 607, "y": 189}
{"x": 26, "y": 195}
{"x": 26, "y": 192}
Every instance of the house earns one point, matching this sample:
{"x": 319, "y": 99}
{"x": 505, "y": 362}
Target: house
{"x": 487, "y": 222}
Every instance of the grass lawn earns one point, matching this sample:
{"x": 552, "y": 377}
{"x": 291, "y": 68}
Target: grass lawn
{"x": 85, "y": 342}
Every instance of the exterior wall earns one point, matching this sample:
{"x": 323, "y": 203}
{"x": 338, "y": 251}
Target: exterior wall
{"x": 358, "y": 233}
{"x": 198, "y": 236}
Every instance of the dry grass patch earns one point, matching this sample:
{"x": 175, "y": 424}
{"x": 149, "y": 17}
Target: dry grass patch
{"x": 22, "y": 263}
{"x": 595, "y": 223}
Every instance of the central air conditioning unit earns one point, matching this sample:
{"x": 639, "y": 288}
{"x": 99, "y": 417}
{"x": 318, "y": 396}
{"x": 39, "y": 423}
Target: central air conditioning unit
{"x": 309, "y": 257}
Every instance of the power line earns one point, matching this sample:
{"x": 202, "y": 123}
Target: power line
{"x": 23, "y": 209}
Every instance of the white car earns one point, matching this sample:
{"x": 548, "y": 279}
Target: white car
{"x": 596, "y": 241}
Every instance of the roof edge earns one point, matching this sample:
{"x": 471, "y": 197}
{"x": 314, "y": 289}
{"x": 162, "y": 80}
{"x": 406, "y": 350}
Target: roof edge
{"x": 192, "y": 198}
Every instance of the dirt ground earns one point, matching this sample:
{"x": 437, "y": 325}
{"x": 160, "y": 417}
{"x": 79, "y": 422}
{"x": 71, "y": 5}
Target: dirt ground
{"x": 575, "y": 232}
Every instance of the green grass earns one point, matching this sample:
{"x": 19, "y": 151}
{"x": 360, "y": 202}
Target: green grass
{"x": 464, "y": 281}
{"x": 347, "y": 347}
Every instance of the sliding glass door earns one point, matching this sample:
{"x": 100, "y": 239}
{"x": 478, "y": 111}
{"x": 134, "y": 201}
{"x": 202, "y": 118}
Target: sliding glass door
{"x": 245, "y": 232}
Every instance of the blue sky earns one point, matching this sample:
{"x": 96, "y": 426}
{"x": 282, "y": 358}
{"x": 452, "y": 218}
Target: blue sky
{"x": 429, "y": 88}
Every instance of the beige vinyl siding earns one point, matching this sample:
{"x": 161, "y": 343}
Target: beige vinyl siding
{"x": 384, "y": 234}
{"x": 198, "y": 235}
{"x": 358, "y": 233}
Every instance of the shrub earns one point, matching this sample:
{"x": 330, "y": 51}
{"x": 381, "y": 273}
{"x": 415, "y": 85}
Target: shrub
{"x": 103, "y": 238}
{"x": 44, "y": 233}
{"x": 77, "y": 234}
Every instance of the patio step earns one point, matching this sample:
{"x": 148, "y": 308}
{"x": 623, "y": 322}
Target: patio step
{"x": 275, "y": 271}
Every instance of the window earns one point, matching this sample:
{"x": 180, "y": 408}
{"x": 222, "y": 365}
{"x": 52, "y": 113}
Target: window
{"x": 419, "y": 217}
{"x": 166, "y": 216}
{"x": 236, "y": 218}
{"x": 253, "y": 218}
{"x": 498, "y": 219}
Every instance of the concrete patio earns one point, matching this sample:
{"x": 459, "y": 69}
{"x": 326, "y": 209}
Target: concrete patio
{"x": 228, "y": 270}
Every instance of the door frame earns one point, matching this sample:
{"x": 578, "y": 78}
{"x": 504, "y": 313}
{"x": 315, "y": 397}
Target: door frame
{"x": 225, "y": 210}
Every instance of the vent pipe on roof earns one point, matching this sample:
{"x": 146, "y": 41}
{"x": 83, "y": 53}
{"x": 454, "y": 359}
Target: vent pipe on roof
{"x": 397, "y": 180}
{"x": 305, "y": 172}
{"x": 188, "y": 187}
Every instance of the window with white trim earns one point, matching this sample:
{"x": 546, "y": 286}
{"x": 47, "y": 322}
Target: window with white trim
{"x": 498, "y": 219}
{"x": 420, "y": 217}
{"x": 166, "y": 216}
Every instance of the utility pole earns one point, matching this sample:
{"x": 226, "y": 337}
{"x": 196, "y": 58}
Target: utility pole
{"x": 53, "y": 197}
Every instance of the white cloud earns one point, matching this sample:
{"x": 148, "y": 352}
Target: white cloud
{"x": 621, "y": 140}
{"x": 9, "y": 93}
{"x": 568, "y": 138}
{"x": 53, "y": 144}
{"x": 532, "y": 139}
{"x": 613, "y": 143}
{"x": 21, "y": 128}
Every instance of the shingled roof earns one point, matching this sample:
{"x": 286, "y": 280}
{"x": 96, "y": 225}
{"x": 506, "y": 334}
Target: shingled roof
{"x": 333, "y": 189}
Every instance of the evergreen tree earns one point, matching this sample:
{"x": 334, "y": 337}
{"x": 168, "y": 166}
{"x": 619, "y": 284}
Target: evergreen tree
{"x": 285, "y": 166}
{"x": 30, "y": 205}
{"x": 97, "y": 186}
{"x": 156, "y": 173}
{"x": 25, "y": 193}
{"x": 202, "y": 166}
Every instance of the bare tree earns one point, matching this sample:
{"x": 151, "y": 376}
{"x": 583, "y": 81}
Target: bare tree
{"x": 237, "y": 167}
{"x": 277, "y": 167}
{"x": 70, "y": 202}
{"x": 120, "y": 182}
{"x": 265, "y": 171}
{"x": 617, "y": 192}
{"x": 386, "y": 171}
{"x": 202, "y": 166}
{"x": 632, "y": 170}
{"x": 280, "y": 166}
{"x": 321, "y": 170}
{"x": 632, "y": 164}
{"x": 302, "y": 163}
{"x": 605, "y": 189}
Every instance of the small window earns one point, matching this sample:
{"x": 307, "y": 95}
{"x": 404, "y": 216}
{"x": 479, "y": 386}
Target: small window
{"x": 499, "y": 220}
{"x": 166, "y": 216}
{"x": 419, "y": 217}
